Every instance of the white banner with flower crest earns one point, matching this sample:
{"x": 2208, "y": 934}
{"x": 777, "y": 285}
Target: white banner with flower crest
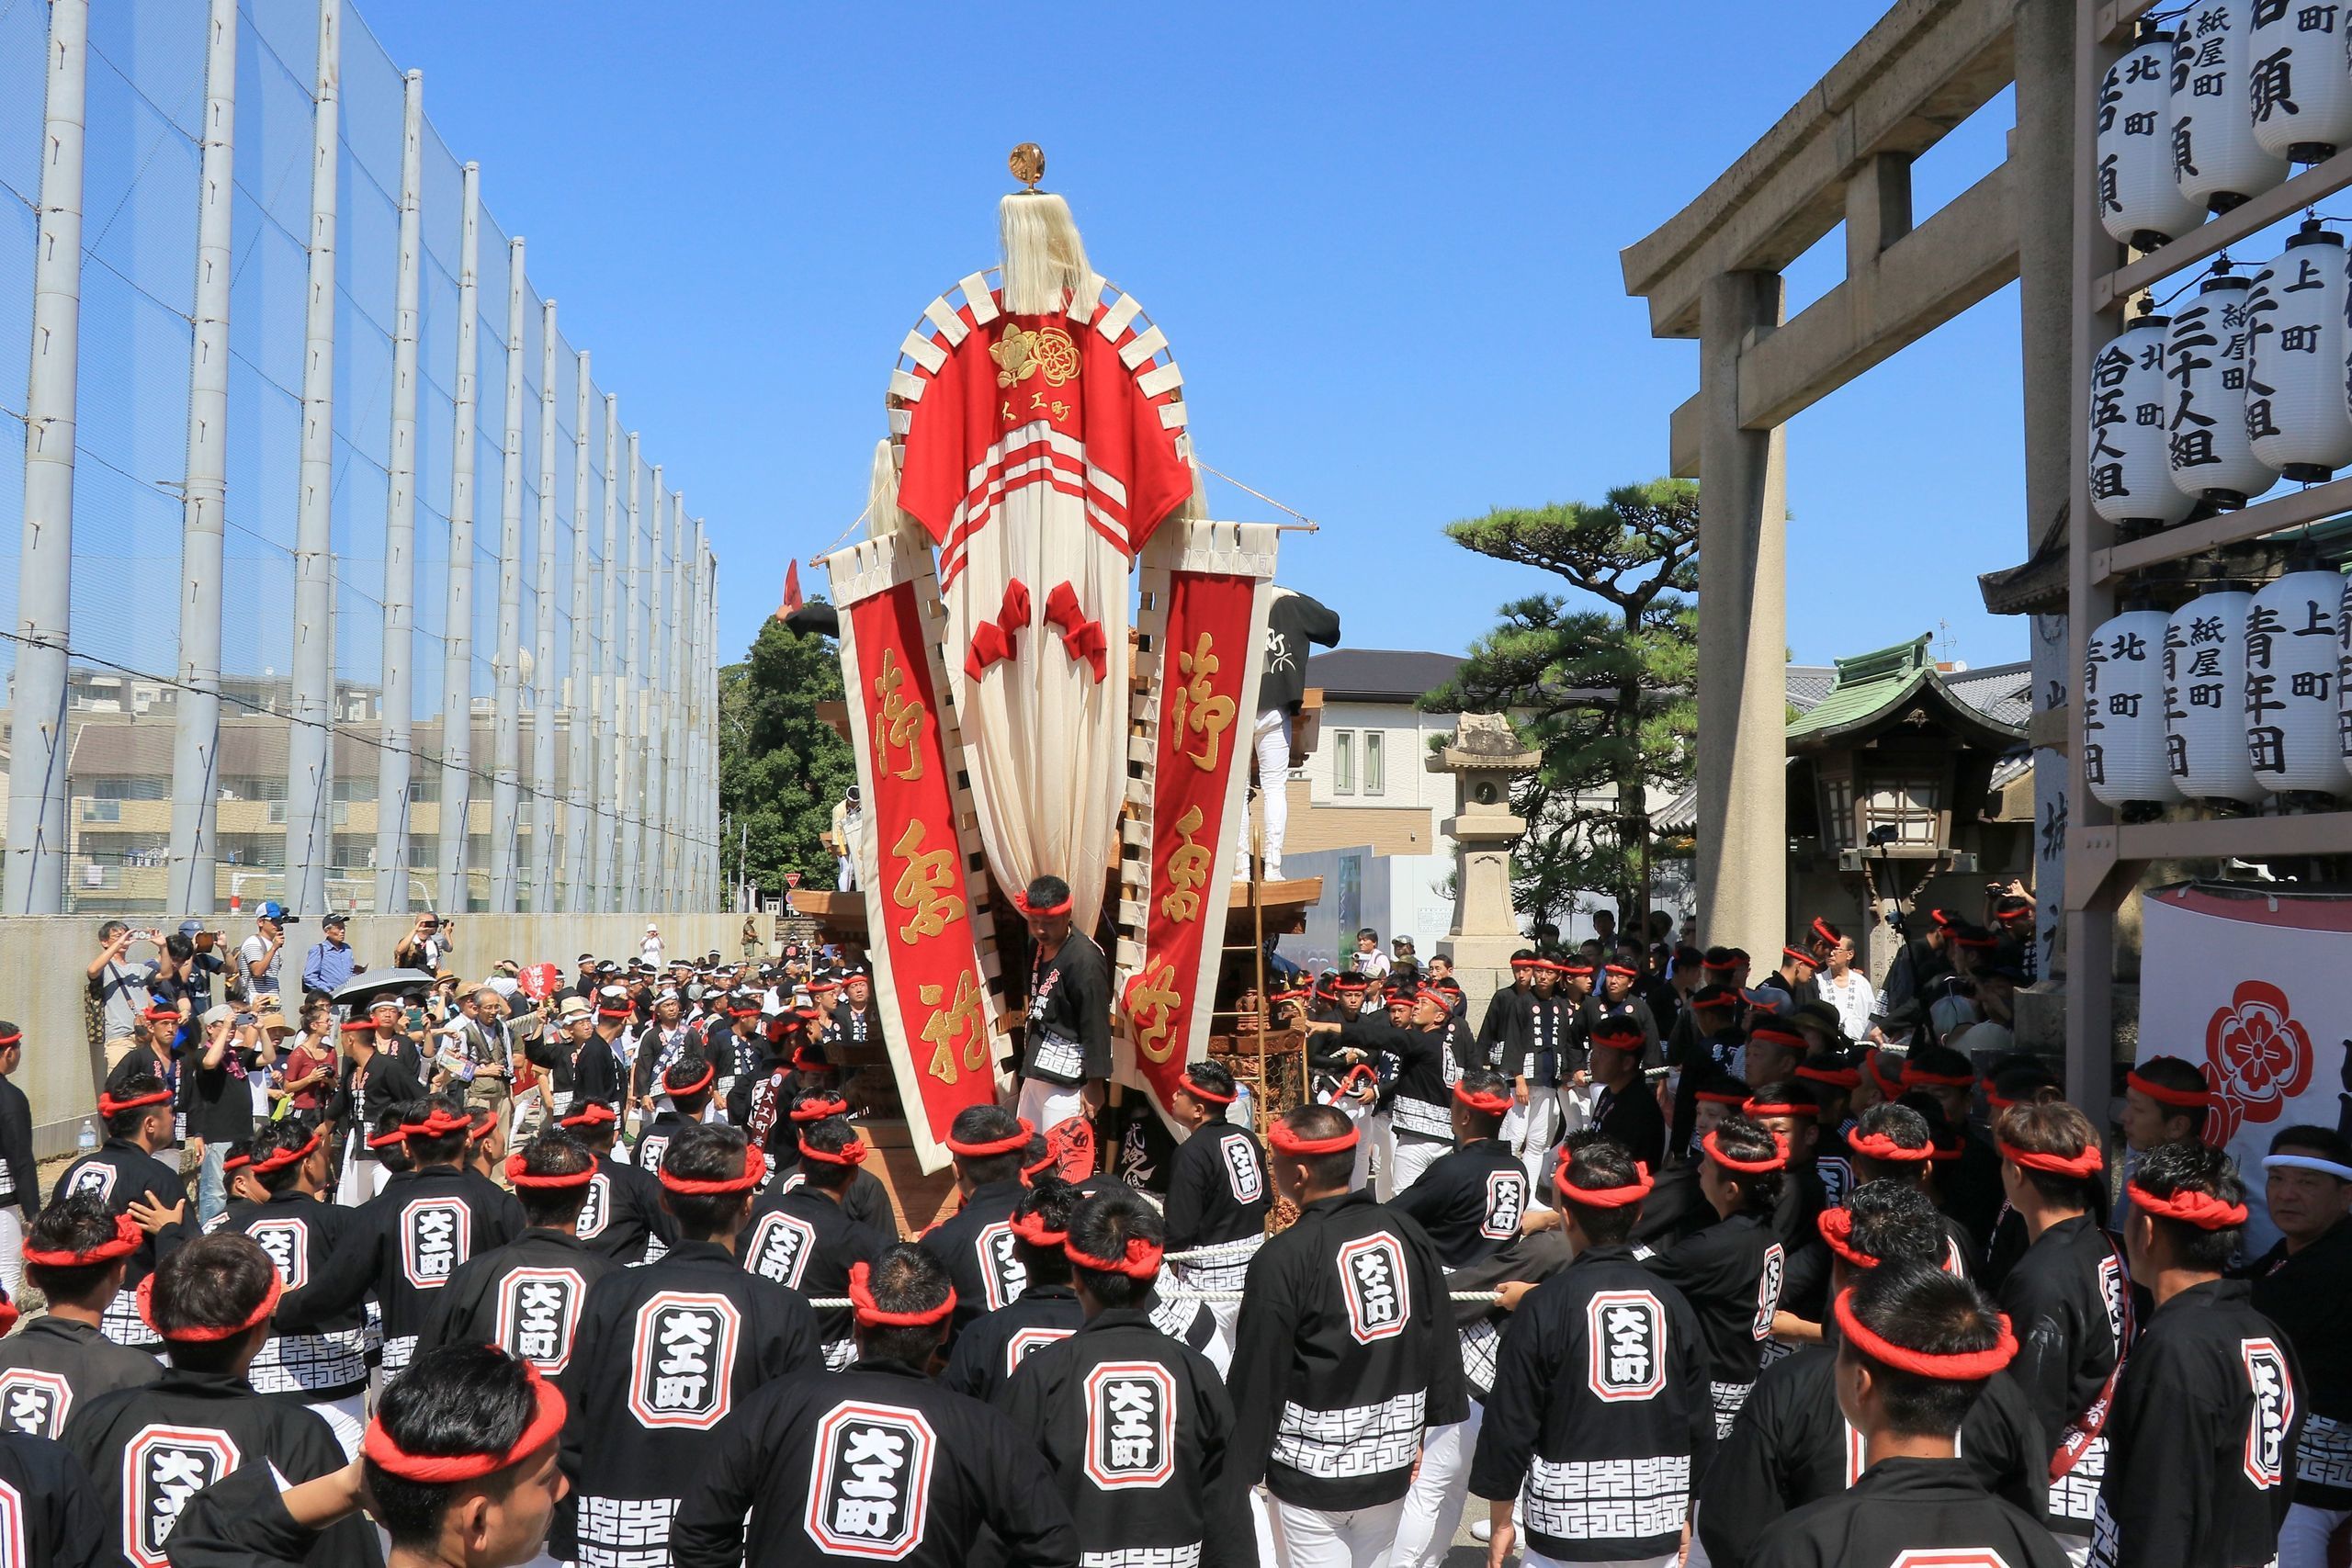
{"x": 2252, "y": 989}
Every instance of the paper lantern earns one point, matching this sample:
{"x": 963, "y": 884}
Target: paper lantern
{"x": 2131, "y": 404}
{"x": 2206, "y": 443}
{"x": 2297, "y": 83}
{"x": 2123, "y": 710}
{"x": 2205, "y": 698}
{"x": 2216, "y": 162}
{"x": 2138, "y": 202}
{"x": 2296, "y": 416}
{"x": 2290, "y": 700}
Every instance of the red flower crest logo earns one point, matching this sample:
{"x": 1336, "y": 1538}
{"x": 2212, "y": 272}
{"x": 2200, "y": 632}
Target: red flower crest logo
{"x": 2261, "y": 1059}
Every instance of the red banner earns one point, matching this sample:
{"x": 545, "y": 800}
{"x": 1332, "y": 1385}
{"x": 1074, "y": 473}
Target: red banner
{"x": 920, "y": 916}
{"x": 1207, "y": 660}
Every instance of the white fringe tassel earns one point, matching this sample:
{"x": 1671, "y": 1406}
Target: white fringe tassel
{"x": 883, "y": 517}
{"x": 1045, "y": 261}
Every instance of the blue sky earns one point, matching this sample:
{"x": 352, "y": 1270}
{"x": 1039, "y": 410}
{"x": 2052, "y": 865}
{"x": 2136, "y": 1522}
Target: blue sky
{"x": 1382, "y": 241}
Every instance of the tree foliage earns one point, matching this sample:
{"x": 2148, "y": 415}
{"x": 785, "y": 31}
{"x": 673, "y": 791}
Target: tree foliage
{"x": 781, "y": 768}
{"x": 1600, "y": 680}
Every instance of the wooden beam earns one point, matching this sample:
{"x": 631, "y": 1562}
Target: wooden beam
{"x": 2115, "y": 19}
{"x": 2241, "y": 837}
{"x": 2296, "y": 510}
{"x": 2309, "y": 188}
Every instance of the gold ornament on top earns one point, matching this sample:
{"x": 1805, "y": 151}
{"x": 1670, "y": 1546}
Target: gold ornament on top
{"x": 1028, "y": 164}
{"x": 1048, "y": 351}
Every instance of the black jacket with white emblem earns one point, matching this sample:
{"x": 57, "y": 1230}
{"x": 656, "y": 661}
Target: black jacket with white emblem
{"x": 55, "y": 1523}
{"x": 2306, "y": 1293}
{"x": 301, "y": 1235}
{"x": 806, "y": 1241}
{"x": 976, "y": 1244}
{"x": 1469, "y": 1200}
{"x": 1217, "y": 1189}
{"x": 1909, "y": 1511}
{"x": 1732, "y": 1272}
{"x": 526, "y": 1298}
{"x": 622, "y": 1215}
{"x": 53, "y": 1366}
{"x": 2069, "y": 1303}
{"x": 117, "y": 1175}
{"x": 993, "y": 1347}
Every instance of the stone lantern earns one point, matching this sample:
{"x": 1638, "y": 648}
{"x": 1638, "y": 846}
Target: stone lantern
{"x": 1484, "y": 756}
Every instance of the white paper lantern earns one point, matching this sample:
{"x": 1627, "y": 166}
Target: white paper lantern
{"x": 2123, "y": 710}
{"x": 2291, "y": 636}
{"x": 2342, "y": 671}
{"x": 2297, "y": 82}
{"x": 2215, "y": 159}
{"x": 2205, "y": 698}
{"x": 2296, "y": 416}
{"x": 2138, "y": 202}
{"x": 2130, "y": 405}
{"x": 2206, "y": 443}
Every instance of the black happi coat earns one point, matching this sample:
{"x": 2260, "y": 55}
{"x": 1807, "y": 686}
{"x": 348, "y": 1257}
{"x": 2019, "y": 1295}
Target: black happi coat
{"x": 2069, "y": 1300}
{"x": 52, "y": 1367}
{"x": 1804, "y": 1281}
{"x": 1554, "y": 1047}
{"x": 1135, "y": 1426}
{"x": 1503, "y": 1029}
{"x": 1732, "y": 1272}
{"x": 1146, "y": 1153}
{"x": 388, "y": 1079}
{"x": 976, "y": 1244}
{"x": 878, "y": 1460}
{"x": 1905, "y": 1507}
{"x": 665, "y": 1355}
{"x": 1970, "y": 1187}
{"x": 1217, "y": 1189}
{"x": 654, "y": 1142}
{"x": 1632, "y": 1117}
{"x": 55, "y": 1523}
{"x": 622, "y": 1215}
{"x": 1344, "y": 1355}
{"x": 526, "y": 1298}
{"x": 19, "y": 1175}
{"x": 1469, "y": 1200}
{"x": 853, "y": 1028}
{"x": 2200, "y": 1447}
{"x": 404, "y": 1245}
{"x": 806, "y": 1241}
{"x": 992, "y": 1348}
{"x": 1791, "y": 1446}
{"x": 1600, "y": 1417}
{"x": 149, "y": 1449}
{"x": 1416, "y": 1097}
{"x": 117, "y": 1175}
{"x": 1066, "y": 1039}
{"x": 329, "y": 1358}
{"x": 2306, "y": 1293}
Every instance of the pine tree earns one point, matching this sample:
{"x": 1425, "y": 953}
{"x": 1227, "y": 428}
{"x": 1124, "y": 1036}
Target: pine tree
{"x": 781, "y": 768}
{"x": 1605, "y": 692}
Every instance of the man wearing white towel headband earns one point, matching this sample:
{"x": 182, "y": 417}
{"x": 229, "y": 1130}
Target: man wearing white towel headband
{"x": 2301, "y": 1284}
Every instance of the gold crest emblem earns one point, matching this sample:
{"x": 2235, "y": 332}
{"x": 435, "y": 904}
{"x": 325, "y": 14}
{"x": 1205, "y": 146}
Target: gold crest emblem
{"x": 1048, "y": 352}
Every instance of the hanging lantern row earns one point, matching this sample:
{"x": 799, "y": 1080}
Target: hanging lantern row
{"x": 2199, "y": 119}
{"x": 2247, "y": 383}
{"x": 2234, "y": 696}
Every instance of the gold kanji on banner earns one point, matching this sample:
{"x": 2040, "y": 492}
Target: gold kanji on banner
{"x": 1152, "y": 1004}
{"x": 957, "y": 1025}
{"x": 921, "y": 887}
{"x": 1194, "y": 700}
{"x": 899, "y": 725}
{"x": 1188, "y": 868}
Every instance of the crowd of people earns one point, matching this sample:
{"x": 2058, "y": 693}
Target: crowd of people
{"x": 1655, "y": 1259}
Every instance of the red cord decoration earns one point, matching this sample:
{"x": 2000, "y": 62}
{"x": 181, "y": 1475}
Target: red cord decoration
{"x": 2088, "y": 1163}
{"x": 2202, "y": 1209}
{"x": 1141, "y": 1262}
{"x": 1779, "y": 1160}
{"x": 1010, "y": 1143}
{"x": 755, "y": 1166}
{"x": 441, "y": 1469}
{"x": 861, "y": 1296}
{"x": 208, "y": 1334}
{"x": 1633, "y": 1191}
{"x": 1960, "y": 1366}
{"x": 1837, "y": 1228}
{"x": 852, "y": 1153}
{"x": 124, "y": 1241}
{"x": 1882, "y": 1146}
{"x": 520, "y": 1176}
{"x": 1284, "y": 1141}
{"x": 1082, "y": 639}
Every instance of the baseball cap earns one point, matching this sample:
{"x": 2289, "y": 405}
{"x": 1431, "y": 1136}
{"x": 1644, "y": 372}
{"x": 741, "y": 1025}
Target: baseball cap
{"x": 272, "y": 910}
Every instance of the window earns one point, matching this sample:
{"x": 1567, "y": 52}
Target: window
{"x": 1374, "y": 772}
{"x": 1343, "y": 761}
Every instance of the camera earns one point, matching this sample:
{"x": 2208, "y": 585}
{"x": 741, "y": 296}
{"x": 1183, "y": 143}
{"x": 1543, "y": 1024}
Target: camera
{"x": 1881, "y": 836}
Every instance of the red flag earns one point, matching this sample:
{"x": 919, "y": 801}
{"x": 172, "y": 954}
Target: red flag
{"x": 792, "y": 600}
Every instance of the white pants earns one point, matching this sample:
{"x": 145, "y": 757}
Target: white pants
{"x": 2303, "y": 1540}
{"x": 1413, "y": 1155}
{"x": 2078, "y": 1548}
{"x": 12, "y": 1250}
{"x": 1441, "y": 1487}
{"x": 845, "y": 874}
{"x": 345, "y": 1418}
{"x": 1045, "y": 1105}
{"x": 1310, "y": 1538}
{"x": 1533, "y": 1130}
{"x": 1272, "y": 736}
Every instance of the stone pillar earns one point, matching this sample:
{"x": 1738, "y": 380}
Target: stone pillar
{"x": 1483, "y": 757}
{"x": 1743, "y": 646}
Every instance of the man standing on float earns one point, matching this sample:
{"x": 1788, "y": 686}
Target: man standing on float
{"x": 1066, "y": 1049}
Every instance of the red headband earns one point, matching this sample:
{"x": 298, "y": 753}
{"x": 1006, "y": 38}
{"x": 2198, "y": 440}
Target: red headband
{"x": 204, "y": 1334}
{"x": 1632, "y": 1192}
{"x": 1787, "y": 1108}
{"x": 1800, "y": 956}
{"x": 441, "y": 1469}
{"x": 11, "y": 1038}
{"x": 1141, "y": 1262}
{"x": 1773, "y": 1035}
{"x": 1622, "y": 969}
{"x": 861, "y": 1297}
{"x": 1199, "y": 1090}
{"x": 160, "y": 1015}
{"x": 1882, "y": 1146}
{"x": 755, "y": 1166}
{"x": 110, "y": 1107}
{"x": 520, "y": 1177}
{"x": 852, "y": 1153}
{"x": 751, "y": 1011}
{"x": 285, "y": 1157}
{"x": 1492, "y": 1104}
{"x": 1718, "y": 1097}
{"x": 1032, "y": 1228}
{"x": 1890, "y": 1087}
{"x": 485, "y": 1127}
{"x": 1837, "y": 1228}
{"x": 236, "y": 1162}
{"x": 2183, "y": 1099}
{"x": 1960, "y": 1366}
{"x": 1020, "y": 902}
{"x": 619, "y": 1009}
{"x": 1826, "y": 931}
{"x": 1044, "y": 1163}
{"x": 596, "y": 1113}
{"x": 359, "y": 1025}
{"x": 1287, "y": 1141}
{"x": 1916, "y": 1077}
{"x": 709, "y": 1071}
{"x": 438, "y": 1123}
{"x": 1010, "y": 1143}
{"x": 1777, "y": 1160}
{"x": 2087, "y": 1164}
{"x": 2202, "y": 1209}
{"x": 1713, "y": 968}
{"x": 1619, "y": 1039}
{"x": 8, "y": 1315}
{"x": 818, "y": 1107}
{"x": 1844, "y": 1077}
{"x": 386, "y": 1140}
{"x": 124, "y": 1241}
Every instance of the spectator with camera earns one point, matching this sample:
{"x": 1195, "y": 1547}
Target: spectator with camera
{"x": 117, "y": 987}
{"x": 331, "y": 963}
{"x": 426, "y": 946}
{"x": 259, "y": 959}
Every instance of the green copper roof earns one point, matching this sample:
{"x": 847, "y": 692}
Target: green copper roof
{"x": 1874, "y": 691}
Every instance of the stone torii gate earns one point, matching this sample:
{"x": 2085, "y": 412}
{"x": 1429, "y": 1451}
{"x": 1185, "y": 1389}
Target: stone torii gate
{"x": 1712, "y": 272}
